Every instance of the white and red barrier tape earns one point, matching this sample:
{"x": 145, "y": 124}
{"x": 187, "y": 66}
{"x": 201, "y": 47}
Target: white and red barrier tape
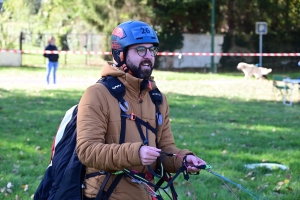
{"x": 159, "y": 53}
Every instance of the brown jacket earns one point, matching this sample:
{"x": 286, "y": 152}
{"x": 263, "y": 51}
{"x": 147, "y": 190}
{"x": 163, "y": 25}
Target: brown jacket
{"x": 98, "y": 134}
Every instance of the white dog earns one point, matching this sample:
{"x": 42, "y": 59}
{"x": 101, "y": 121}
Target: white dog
{"x": 252, "y": 70}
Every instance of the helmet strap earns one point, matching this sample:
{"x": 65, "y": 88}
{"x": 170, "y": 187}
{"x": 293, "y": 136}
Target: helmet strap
{"x": 122, "y": 63}
{"x": 124, "y": 67}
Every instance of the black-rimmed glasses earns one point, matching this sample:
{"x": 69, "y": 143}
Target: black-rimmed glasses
{"x": 142, "y": 51}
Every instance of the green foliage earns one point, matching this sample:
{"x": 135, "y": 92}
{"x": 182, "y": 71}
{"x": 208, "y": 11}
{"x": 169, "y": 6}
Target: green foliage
{"x": 104, "y": 16}
{"x": 173, "y": 18}
{"x": 58, "y": 16}
{"x": 283, "y": 27}
{"x": 33, "y": 5}
{"x": 6, "y": 41}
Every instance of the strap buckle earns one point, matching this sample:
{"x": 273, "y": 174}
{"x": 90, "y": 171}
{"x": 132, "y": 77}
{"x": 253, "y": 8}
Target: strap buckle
{"x": 124, "y": 106}
{"x": 132, "y": 117}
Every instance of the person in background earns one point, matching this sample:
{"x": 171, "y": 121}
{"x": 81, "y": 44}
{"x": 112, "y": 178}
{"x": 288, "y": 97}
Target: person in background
{"x": 134, "y": 45}
{"x": 52, "y": 62}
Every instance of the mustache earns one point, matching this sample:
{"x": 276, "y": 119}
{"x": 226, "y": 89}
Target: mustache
{"x": 146, "y": 62}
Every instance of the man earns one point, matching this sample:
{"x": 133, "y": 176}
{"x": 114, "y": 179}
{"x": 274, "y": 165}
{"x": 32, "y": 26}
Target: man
{"x": 134, "y": 46}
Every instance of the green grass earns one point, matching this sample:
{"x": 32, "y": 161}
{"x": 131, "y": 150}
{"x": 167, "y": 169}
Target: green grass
{"x": 226, "y": 121}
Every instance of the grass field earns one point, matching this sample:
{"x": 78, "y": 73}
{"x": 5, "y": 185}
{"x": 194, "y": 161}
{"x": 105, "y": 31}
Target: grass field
{"x": 225, "y": 120}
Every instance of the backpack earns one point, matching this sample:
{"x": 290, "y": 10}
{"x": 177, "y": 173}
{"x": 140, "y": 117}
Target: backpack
{"x": 65, "y": 175}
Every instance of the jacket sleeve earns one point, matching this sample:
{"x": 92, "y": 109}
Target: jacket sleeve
{"x": 167, "y": 143}
{"x": 45, "y": 54}
{"x": 56, "y": 49}
{"x": 92, "y": 121}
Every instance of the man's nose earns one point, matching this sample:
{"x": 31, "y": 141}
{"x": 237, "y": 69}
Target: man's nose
{"x": 148, "y": 54}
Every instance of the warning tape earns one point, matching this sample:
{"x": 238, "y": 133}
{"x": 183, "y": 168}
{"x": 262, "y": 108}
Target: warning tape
{"x": 159, "y": 53}
{"x": 227, "y": 54}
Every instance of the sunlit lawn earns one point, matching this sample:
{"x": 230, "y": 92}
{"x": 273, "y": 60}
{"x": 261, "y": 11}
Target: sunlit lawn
{"x": 225, "y": 120}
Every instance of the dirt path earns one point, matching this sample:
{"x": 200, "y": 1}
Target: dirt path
{"x": 246, "y": 89}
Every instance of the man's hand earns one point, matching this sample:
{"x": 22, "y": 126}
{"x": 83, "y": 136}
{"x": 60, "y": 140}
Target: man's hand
{"x": 194, "y": 161}
{"x": 148, "y": 154}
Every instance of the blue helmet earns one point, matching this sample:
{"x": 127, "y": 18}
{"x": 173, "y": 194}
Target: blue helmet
{"x": 130, "y": 33}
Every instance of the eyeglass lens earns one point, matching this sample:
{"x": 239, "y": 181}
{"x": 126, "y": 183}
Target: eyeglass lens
{"x": 142, "y": 51}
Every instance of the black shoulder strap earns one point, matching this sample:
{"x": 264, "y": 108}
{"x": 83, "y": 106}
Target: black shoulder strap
{"x": 156, "y": 98}
{"x": 114, "y": 85}
{"x": 117, "y": 90}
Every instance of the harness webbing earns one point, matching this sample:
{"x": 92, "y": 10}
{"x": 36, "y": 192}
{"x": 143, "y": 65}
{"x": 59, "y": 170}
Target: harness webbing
{"x": 138, "y": 123}
{"x": 117, "y": 90}
{"x": 100, "y": 193}
{"x": 166, "y": 178}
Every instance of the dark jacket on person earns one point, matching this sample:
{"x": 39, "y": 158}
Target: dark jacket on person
{"x": 53, "y": 57}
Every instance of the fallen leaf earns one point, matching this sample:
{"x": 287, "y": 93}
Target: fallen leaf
{"x": 9, "y": 185}
{"x": 249, "y": 174}
{"x": 288, "y": 176}
{"x": 258, "y": 187}
{"x": 280, "y": 183}
{"x": 9, "y": 190}
{"x": 188, "y": 193}
{"x": 286, "y": 181}
{"x": 25, "y": 187}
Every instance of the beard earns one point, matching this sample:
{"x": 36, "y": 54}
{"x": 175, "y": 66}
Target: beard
{"x": 143, "y": 71}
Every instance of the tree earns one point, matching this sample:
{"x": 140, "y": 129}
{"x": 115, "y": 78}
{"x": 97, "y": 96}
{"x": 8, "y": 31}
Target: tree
{"x": 283, "y": 26}
{"x": 176, "y": 17}
{"x": 105, "y": 15}
{"x": 11, "y": 13}
{"x": 33, "y": 5}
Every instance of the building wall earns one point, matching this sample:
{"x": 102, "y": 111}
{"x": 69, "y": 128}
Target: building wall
{"x": 10, "y": 59}
{"x": 194, "y": 43}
